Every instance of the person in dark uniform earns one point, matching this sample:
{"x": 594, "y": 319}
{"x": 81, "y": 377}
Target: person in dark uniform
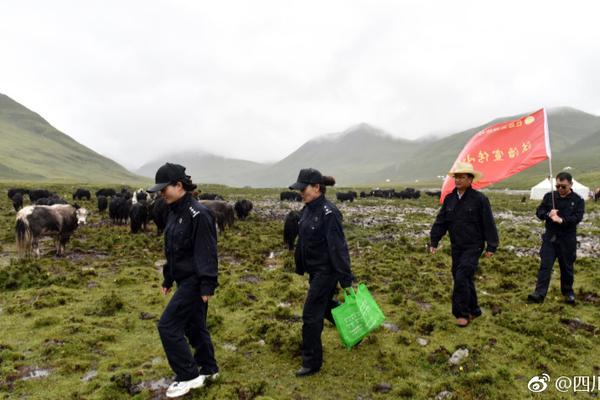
{"x": 467, "y": 216}
{"x": 191, "y": 253}
{"x": 322, "y": 252}
{"x": 562, "y": 211}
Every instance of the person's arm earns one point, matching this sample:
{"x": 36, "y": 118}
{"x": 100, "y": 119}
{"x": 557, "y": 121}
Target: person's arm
{"x": 543, "y": 210}
{"x": 206, "y": 262}
{"x": 167, "y": 277}
{"x": 576, "y": 217}
{"x": 490, "y": 232}
{"x": 338, "y": 248}
{"x": 439, "y": 227}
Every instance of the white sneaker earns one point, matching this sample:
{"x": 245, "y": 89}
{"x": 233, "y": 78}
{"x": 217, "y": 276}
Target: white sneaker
{"x": 180, "y": 388}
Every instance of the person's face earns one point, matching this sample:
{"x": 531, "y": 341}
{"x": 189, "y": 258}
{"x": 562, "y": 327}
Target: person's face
{"x": 462, "y": 181}
{"x": 172, "y": 193}
{"x": 310, "y": 193}
{"x": 563, "y": 187}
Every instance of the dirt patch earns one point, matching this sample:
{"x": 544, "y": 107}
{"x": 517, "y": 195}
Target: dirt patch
{"x": 576, "y": 324}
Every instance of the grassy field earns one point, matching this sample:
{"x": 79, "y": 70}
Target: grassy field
{"x": 84, "y": 326}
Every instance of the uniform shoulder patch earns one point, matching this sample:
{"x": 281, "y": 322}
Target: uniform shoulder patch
{"x": 194, "y": 212}
{"x": 327, "y": 209}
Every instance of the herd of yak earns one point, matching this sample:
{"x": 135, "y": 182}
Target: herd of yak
{"x": 51, "y": 215}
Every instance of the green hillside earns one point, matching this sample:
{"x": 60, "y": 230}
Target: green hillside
{"x": 33, "y": 150}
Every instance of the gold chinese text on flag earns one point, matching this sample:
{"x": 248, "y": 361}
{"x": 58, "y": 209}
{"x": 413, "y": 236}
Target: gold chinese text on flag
{"x": 504, "y": 149}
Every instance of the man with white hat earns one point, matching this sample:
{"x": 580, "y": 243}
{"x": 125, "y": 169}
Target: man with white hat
{"x": 467, "y": 216}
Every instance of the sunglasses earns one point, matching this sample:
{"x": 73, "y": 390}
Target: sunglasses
{"x": 562, "y": 186}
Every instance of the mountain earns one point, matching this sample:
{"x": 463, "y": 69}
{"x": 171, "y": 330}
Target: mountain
{"x": 206, "y": 168}
{"x": 32, "y": 149}
{"x": 366, "y": 155}
{"x": 353, "y": 156}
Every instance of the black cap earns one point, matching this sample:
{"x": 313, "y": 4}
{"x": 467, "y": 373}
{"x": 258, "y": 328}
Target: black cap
{"x": 307, "y": 176}
{"x": 168, "y": 173}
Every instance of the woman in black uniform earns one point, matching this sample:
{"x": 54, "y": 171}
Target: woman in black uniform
{"x": 322, "y": 251}
{"x": 191, "y": 252}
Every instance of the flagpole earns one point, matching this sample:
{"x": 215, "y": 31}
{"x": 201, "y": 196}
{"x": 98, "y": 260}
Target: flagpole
{"x": 549, "y": 153}
{"x": 550, "y": 180}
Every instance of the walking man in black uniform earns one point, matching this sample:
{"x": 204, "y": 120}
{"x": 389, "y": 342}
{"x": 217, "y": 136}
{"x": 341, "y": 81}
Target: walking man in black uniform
{"x": 467, "y": 215}
{"x": 322, "y": 251}
{"x": 562, "y": 211}
{"x": 191, "y": 252}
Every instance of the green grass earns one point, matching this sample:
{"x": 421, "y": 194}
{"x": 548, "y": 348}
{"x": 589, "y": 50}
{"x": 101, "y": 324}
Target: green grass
{"x": 84, "y": 312}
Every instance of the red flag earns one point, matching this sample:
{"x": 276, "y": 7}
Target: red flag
{"x": 504, "y": 149}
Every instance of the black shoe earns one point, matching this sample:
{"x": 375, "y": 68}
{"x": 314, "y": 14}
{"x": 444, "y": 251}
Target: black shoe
{"x": 535, "y": 298}
{"x": 570, "y": 299}
{"x": 307, "y": 371}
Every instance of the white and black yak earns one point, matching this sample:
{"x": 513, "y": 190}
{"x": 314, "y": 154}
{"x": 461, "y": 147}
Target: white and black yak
{"x": 59, "y": 221}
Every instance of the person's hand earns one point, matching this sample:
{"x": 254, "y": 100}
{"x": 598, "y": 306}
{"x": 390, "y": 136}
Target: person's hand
{"x": 432, "y": 250}
{"x": 165, "y": 290}
{"x": 206, "y": 298}
{"x": 553, "y": 213}
{"x": 557, "y": 219}
{"x": 488, "y": 254}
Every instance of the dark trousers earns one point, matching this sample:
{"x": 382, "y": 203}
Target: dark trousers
{"x": 185, "y": 316}
{"x": 563, "y": 249}
{"x": 464, "y": 296}
{"x": 317, "y": 306}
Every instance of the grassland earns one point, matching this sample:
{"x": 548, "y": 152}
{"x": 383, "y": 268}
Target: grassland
{"x": 83, "y": 326}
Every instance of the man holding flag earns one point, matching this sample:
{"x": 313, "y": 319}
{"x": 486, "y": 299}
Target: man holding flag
{"x": 491, "y": 155}
{"x": 467, "y": 215}
{"x": 562, "y": 211}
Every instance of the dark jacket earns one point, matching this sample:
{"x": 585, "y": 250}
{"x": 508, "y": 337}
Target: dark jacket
{"x": 570, "y": 209}
{"x": 191, "y": 245}
{"x": 322, "y": 245}
{"x": 468, "y": 220}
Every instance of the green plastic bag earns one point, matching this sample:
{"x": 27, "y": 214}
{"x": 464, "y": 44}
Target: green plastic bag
{"x": 357, "y": 316}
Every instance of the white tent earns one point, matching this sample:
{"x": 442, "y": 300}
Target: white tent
{"x": 538, "y": 191}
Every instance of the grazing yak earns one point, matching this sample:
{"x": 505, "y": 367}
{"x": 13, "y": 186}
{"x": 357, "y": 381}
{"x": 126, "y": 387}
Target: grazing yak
{"x": 222, "y": 212}
{"x": 138, "y": 216}
{"x": 159, "y": 212}
{"x": 81, "y": 194}
{"x": 17, "y": 201}
{"x": 139, "y": 195}
{"x": 408, "y": 193}
{"x": 118, "y": 210}
{"x": 35, "y": 195}
{"x": 242, "y": 208}
{"x": 50, "y": 201}
{"x": 210, "y": 196}
{"x": 102, "y": 203}
{"x": 290, "y": 196}
{"x": 597, "y": 195}
{"x": 434, "y": 193}
{"x": 346, "y": 196}
{"x": 59, "y": 220}
{"x": 290, "y": 229}
{"x": 385, "y": 193}
{"x": 106, "y": 192}
{"x": 21, "y": 191}
{"x": 125, "y": 193}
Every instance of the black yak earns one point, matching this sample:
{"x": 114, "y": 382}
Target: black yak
{"x": 243, "y": 208}
{"x": 290, "y": 228}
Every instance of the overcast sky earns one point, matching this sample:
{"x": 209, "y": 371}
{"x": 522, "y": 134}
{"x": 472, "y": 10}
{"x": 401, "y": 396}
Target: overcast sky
{"x": 134, "y": 80}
